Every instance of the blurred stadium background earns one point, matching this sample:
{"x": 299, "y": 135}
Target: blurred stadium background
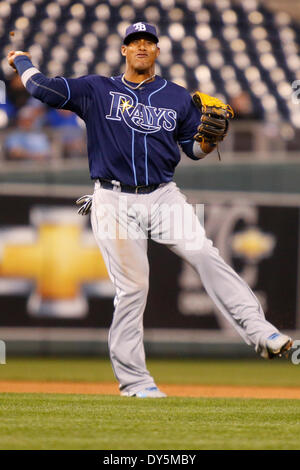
{"x": 55, "y": 296}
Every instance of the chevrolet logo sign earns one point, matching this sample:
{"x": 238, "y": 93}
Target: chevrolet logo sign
{"x": 253, "y": 244}
{"x": 59, "y": 257}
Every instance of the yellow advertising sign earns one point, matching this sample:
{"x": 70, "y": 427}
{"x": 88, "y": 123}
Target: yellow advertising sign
{"x": 59, "y": 258}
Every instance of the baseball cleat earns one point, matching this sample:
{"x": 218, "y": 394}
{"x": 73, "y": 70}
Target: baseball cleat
{"x": 149, "y": 392}
{"x": 277, "y": 345}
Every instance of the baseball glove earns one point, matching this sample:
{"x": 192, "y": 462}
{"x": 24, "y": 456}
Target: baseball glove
{"x": 214, "y": 120}
{"x": 85, "y": 203}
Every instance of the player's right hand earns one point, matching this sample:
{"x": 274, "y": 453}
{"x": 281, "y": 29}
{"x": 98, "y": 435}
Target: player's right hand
{"x": 13, "y": 54}
{"x": 86, "y": 203}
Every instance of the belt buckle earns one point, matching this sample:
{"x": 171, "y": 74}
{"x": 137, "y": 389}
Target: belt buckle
{"x": 137, "y": 188}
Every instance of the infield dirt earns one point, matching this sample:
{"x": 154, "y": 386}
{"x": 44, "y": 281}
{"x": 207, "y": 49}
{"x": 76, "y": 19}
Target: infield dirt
{"x": 193, "y": 391}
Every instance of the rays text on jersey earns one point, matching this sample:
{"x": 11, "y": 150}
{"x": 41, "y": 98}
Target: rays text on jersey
{"x": 138, "y": 116}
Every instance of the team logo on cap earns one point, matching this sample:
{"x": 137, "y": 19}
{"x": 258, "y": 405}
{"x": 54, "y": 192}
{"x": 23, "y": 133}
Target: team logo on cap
{"x": 139, "y": 26}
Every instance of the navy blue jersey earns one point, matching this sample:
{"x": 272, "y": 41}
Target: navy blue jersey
{"x": 132, "y": 135}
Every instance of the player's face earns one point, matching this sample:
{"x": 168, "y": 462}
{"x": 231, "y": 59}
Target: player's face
{"x": 141, "y": 53}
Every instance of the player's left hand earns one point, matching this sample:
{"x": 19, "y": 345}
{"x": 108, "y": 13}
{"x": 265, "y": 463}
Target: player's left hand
{"x": 86, "y": 203}
{"x": 214, "y": 120}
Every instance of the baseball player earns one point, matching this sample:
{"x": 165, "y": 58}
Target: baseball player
{"x": 134, "y": 124}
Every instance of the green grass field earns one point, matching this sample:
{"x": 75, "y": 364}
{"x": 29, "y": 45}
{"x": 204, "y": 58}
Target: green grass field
{"x": 57, "y": 421}
{"x": 173, "y": 371}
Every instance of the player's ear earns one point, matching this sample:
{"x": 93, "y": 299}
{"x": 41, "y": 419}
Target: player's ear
{"x": 157, "y": 51}
{"x": 123, "y": 50}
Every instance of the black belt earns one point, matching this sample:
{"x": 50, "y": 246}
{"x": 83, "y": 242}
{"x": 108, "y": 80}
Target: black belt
{"x": 126, "y": 188}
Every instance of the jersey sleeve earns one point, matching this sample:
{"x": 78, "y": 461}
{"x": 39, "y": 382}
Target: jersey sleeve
{"x": 79, "y": 95}
{"x": 188, "y": 122}
{"x": 74, "y": 94}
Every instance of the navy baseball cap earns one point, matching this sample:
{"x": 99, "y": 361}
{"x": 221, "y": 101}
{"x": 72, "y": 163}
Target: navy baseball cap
{"x": 140, "y": 28}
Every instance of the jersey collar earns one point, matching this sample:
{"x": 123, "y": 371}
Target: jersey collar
{"x": 155, "y": 84}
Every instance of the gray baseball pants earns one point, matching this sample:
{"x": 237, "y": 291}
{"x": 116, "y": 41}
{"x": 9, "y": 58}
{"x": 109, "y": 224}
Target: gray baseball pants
{"x": 121, "y": 224}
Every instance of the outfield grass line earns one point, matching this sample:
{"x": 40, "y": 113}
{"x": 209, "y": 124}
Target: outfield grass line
{"x": 172, "y": 390}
